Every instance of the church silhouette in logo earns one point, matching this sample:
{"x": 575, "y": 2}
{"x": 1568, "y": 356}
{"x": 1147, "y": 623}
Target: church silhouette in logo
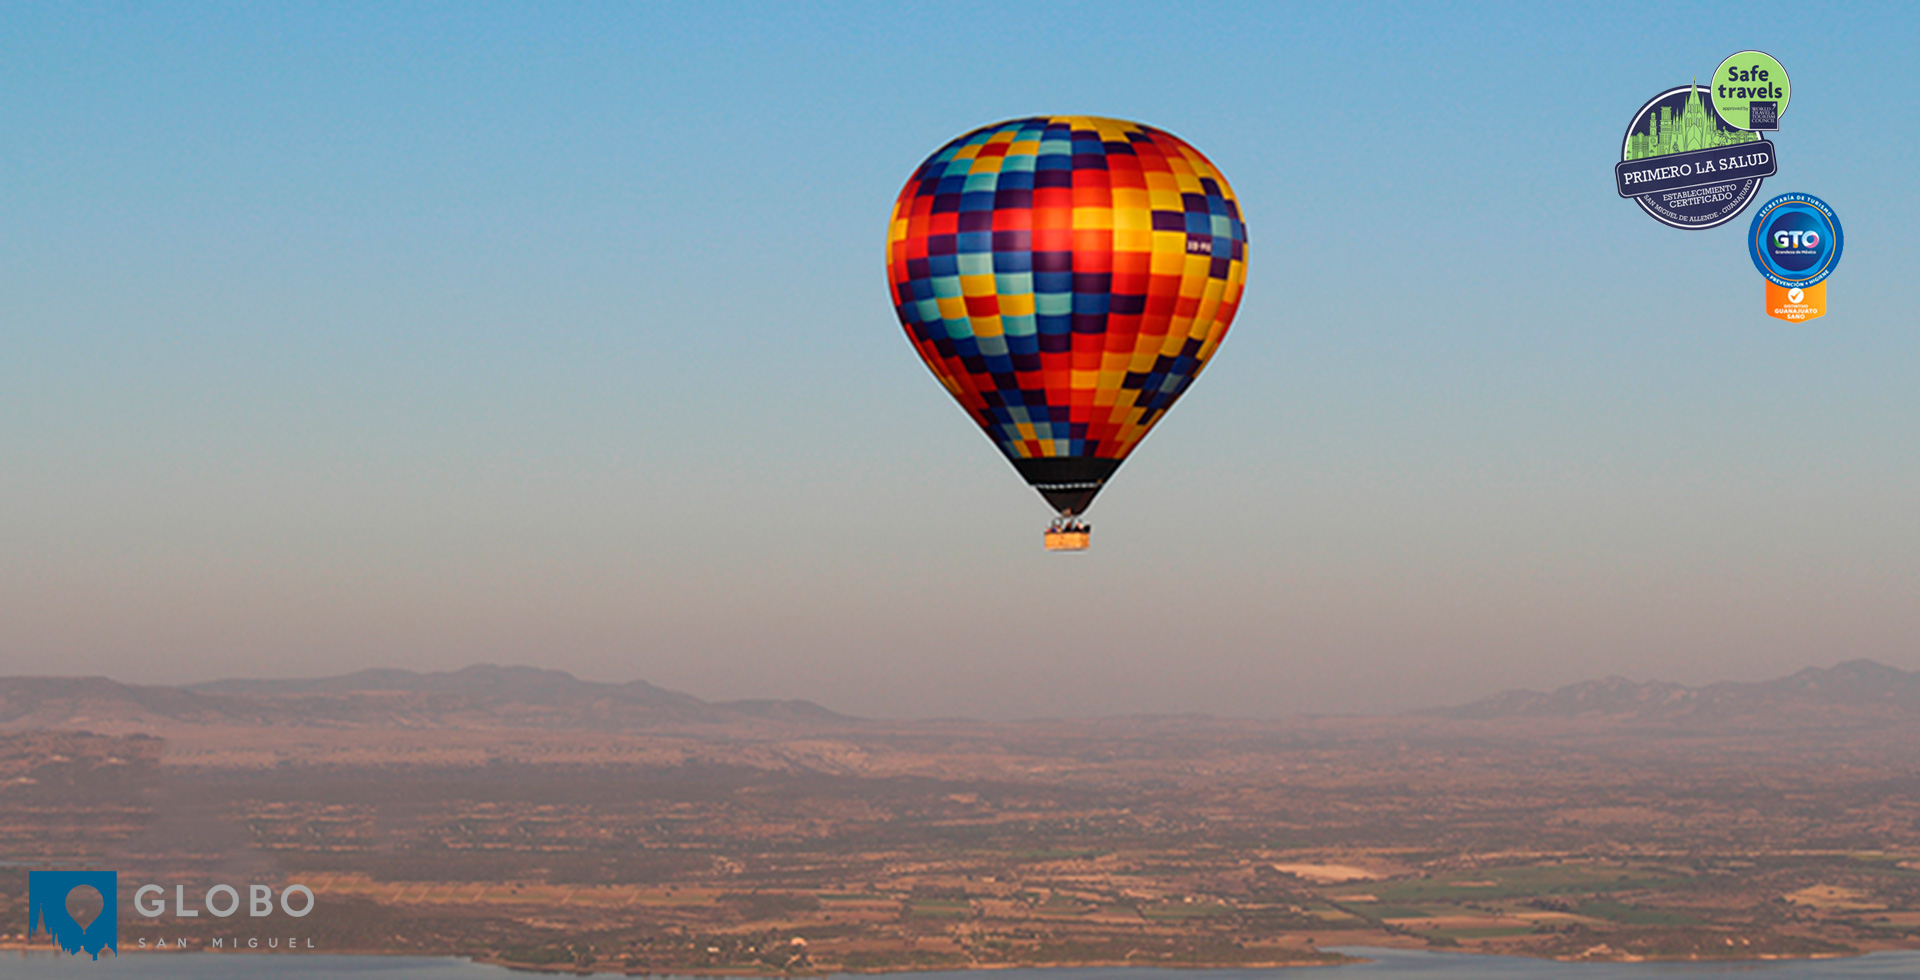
{"x": 1679, "y": 124}
{"x": 47, "y": 908}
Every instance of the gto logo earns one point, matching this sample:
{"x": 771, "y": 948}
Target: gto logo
{"x": 221, "y": 900}
{"x": 1796, "y": 239}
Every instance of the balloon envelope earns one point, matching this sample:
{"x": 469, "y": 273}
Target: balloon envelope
{"x": 1066, "y": 278}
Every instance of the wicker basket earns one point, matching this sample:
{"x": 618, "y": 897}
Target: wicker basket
{"x": 1068, "y": 540}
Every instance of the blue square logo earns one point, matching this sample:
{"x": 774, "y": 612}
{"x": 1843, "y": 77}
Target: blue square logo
{"x": 47, "y": 908}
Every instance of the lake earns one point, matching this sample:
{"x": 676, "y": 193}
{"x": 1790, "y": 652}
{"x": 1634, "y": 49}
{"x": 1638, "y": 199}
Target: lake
{"x": 1396, "y": 963}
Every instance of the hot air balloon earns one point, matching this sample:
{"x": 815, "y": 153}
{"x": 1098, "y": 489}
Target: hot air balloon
{"x": 1066, "y": 278}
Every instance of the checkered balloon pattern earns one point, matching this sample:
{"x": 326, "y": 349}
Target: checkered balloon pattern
{"x": 1066, "y": 278}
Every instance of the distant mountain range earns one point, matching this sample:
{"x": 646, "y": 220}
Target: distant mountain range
{"x": 481, "y": 696}
{"x": 486, "y": 696}
{"x": 1861, "y": 689}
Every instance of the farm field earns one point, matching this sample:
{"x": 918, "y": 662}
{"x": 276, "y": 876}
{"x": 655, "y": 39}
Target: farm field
{"x": 848, "y": 845}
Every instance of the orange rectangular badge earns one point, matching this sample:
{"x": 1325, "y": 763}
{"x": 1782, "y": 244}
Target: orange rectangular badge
{"x": 1795, "y": 303}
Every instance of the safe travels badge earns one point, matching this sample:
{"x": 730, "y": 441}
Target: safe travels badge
{"x": 1750, "y": 91}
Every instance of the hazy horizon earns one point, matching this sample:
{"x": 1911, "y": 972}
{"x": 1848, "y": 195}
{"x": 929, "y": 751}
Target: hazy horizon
{"x": 351, "y": 338}
{"x": 962, "y": 716}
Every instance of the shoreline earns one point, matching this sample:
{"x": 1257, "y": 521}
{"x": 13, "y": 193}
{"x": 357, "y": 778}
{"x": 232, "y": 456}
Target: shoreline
{"x": 1332, "y": 957}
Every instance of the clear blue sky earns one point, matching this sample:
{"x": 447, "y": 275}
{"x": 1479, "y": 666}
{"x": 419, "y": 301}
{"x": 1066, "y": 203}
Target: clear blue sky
{"x": 337, "y": 336}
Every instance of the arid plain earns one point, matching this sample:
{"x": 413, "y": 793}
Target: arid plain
{"x": 527, "y": 817}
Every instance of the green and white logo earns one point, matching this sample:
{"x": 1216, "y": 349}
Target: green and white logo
{"x": 1750, "y": 91}
{"x": 1685, "y": 167}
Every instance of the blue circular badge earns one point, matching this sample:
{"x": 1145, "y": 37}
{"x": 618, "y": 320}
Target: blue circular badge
{"x": 1795, "y": 240}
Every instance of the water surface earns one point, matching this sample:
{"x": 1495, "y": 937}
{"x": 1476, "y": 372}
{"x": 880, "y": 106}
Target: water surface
{"x": 1399, "y": 964}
